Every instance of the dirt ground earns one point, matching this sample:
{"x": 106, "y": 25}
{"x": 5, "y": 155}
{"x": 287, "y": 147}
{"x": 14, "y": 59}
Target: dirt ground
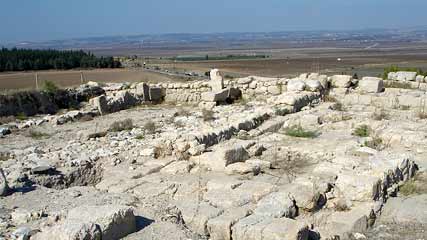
{"x": 26, "y": 80}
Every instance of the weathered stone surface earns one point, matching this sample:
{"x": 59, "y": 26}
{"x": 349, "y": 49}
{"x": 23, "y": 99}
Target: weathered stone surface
{"x": 221, "y": 157}
{"x": 239, "y": 168}
{"x": 256, "y": 227}
{"x": 371, "y": 85}
{"x": 100, "y": 103}
{"x": 296, "y": 85}
{"x": 313, "y": 85}
{"x": 219, "y": 228}
{"x": 71, "y": 230}
{"x": 142, "y": 89}
{"x": 218, "y": 96}
{"x": 179, "y": 167}
{"x": 341, "y": 81}
{"x": 274, "y": 90}
{"x": 277, "y": 205}
{"x": 197, "y": 214}
{"x": 114, "y": 221}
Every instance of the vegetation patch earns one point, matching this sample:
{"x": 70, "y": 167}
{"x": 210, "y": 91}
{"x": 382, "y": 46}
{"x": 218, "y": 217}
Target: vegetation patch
{"x": 362, "y": 131}
{"x": 395, "y": 84}
{"x": 380, "y": 115}
{"x": 49, "y": 87}
{"x": 140, "y": 137}
{"x": 150, "y": 127}
{"x": 207, "y": 115}
{"x": 415, "y": 186}
{"x": 394, "y": 68}
{"x": 32, "y": 59}
{"x": 97, "y": 135}
{"x": 38, "y": 135}
{"x": 21, "y": 116}
{"x": 298, "y": 131}
{"x": 375, "y": 143}
{"x": 124, "y": 125}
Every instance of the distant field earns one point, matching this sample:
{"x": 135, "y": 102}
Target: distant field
{"x": 363, "y": 65}
{"x": 283, "y": 63}
{"x": 26, "y": 80}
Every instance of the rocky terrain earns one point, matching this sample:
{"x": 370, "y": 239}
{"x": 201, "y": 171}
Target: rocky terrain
{"x": 313, "y": 157}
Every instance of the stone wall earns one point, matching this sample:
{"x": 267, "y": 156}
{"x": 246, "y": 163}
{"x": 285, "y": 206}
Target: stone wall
{"x": 30, "y": 103}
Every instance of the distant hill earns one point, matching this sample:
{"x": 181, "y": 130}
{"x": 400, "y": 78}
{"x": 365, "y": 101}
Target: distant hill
{"x": 230, "y": 40}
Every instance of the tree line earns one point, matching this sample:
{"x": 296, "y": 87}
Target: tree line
{"x": 29, "y": 59}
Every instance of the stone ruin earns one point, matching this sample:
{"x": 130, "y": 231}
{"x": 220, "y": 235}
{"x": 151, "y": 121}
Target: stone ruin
{"x": 278, "y": 159}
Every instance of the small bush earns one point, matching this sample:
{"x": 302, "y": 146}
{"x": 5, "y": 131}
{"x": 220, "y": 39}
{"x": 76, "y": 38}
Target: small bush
{"x": 362, "y": 131}
{"x": 298, "y": 131}
{"x": 97, "y": 135}
{"x": 405, "y": 107}
{"x": 208, "y": 115}
{"x": 124, "y": 125}
{"x": 415, "y": 186}
{"x": 150, "y": 127}
{"x": 422, "y": 115}
{"x": 338, "y": 107}
{"x": 140, "y": 137}
{"x": 380, "y": 115}
{"x": 49, "y": 86}
{"x": 21, "y": 116}
{"x": 38, "y": 135}
{"x": 376, "y": 143}
{"x": 328, "y": 98}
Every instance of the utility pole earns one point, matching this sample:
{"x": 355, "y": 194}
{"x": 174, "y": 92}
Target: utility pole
{"x": 81, "y": 77}
{"x": 37, "y": 81}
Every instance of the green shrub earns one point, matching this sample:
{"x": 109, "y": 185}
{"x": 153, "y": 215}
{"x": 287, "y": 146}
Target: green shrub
{"x": 21, "y": 116}
{"x": 124, "y": 125}
{"x": 298, "y": 131}
{"x": 362, "y": 131}
{"x": 140, "y": 137}
{"x": 376, "y": 143}
{"x": 49, "y": 87}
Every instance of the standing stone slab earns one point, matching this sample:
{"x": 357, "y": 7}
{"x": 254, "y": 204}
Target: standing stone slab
{"x": 142, "y": 89}
{"x": 217, "y": 81}
{"x": 371, "y": 85}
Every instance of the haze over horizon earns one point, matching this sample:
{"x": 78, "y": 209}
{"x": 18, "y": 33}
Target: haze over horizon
{"x": 51, "y": 19}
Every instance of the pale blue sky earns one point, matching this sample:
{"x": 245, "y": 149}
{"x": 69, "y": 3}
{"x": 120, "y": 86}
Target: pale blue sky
{"x": 34, "y": 20}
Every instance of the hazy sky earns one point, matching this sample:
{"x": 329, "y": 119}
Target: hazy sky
{"x": 31, "y": 20}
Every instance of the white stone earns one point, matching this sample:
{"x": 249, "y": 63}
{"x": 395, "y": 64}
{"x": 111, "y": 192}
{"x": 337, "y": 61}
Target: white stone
{"x": 341, "y": 81}
{"x": 371, "y": 85}
{"x": 313, "y": 85}
{"x": 295, "y": 85}
{"x": 217, "y": 81}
